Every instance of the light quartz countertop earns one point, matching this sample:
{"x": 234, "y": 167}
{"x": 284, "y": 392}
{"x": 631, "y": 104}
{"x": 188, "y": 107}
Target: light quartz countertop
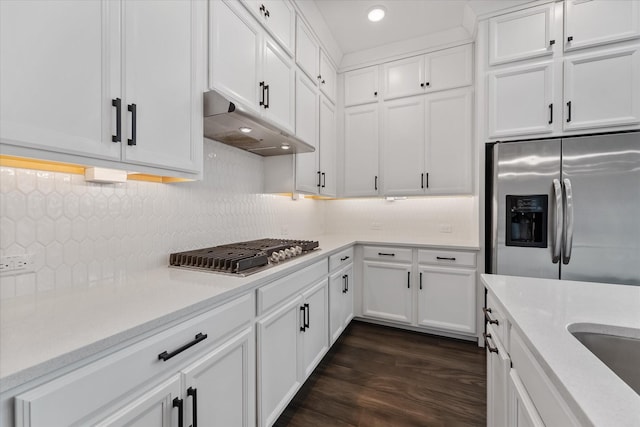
{"x": 543, "y": 311}
{"x": 42, "y": 333}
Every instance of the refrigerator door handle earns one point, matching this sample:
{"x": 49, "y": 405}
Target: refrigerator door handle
{"x": 557, "y": 240}
{"x": 568, "y": 221}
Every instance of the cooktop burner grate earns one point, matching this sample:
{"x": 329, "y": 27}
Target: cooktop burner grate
{"x": 243, "y": 257}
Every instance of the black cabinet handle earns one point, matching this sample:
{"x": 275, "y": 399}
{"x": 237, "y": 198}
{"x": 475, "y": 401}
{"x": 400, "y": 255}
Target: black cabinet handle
{"x": 266, "y": 13}
{"x": 569, "y": 39}
{"x": 427, "y": 176}
{"x": 164, "y": 356}
{"x": 550, "y": 113}
{"x": 319, "y": 77}
{"x": 307, "y": 315}
{"x": 552, "y": 42}
{"x": 344, "y": 258}
{"x": 385, "y": 254}
{"x": 408, "y": 280}
{"x": 375, "y": 183}
{"x": 375, "y": 93}
{"x": 428, "y": 84}
{"x": 319, "y": 179}
{"x": 262, "y": 93}
{"x": 266, "y": 89}
{"x": 445, "y": 258}
{"x": 347, "y": 276}
{"x": 178, "y": 403}
{"x": 344, "y": 283}
{"x": 118, "y": 104}
{"x": 262, "y": 8}
{"x": 303, "y": 327}
{"x": 194, "y": 405}
{"x": 569, "y": 111}
{"x": 324, "y": 180}
{"x": 486, "y": 312}
{"x": 420, "y": 280}
{"x": 421, "y": 180}
{"x": 421, "y": 84}
{"x": 134, "y": 110}
{"x": 486, "y": 342}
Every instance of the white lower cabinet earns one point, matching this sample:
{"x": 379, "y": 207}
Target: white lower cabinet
{"x": 498, "y": 366}
{"x": 522, "y": 411}
{"x": 387, "y": 291}
{"x": 151, "y": 383}
{"x": 340, "y": 301}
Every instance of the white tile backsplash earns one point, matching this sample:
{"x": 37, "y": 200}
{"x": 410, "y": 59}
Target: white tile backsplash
{"x": 83, "y": 232}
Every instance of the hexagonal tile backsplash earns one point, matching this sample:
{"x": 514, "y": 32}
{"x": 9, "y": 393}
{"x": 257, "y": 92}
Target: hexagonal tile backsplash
{"x": 81, "y": 232}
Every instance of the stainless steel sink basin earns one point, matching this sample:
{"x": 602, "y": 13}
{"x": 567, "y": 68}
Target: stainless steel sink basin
{"x": 620, "y": 354}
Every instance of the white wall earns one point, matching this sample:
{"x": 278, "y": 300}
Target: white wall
{"x": 82, "y": 232}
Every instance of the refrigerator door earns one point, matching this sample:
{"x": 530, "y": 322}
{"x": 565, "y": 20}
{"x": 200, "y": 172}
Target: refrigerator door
{"x": 526, "y": 215}
{"x": 601, "y": 174}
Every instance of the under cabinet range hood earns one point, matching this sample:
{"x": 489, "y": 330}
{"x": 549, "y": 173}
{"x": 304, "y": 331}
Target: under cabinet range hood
{"x": 234, "y": 125}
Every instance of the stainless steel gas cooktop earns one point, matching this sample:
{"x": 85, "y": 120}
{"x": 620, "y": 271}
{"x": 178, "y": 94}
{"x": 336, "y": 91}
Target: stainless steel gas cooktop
{"x": 242, "y": 258}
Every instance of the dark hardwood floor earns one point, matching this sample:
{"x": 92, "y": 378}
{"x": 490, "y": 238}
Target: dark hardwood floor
{"x": 378, "y": 376}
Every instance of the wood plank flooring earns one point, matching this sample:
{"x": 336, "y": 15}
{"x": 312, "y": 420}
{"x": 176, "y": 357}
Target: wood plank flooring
{"x": 379, "y": 376}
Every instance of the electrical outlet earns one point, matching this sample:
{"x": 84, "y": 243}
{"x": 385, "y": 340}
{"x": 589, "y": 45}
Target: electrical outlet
{"x": 16, "y": 263}
{"x": 445, "y": 228}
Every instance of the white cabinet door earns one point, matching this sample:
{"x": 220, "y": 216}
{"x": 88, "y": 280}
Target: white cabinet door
{"x": 521, "y": 35}
{"x": 521, "y": 100}
{"x": 279, "y": 20}
{"x": 403, "y": 146}
{"x": 278, "y": 361}
{"x": 340, "y": 302}
{"x": 387, "y": 291}
{"x": 361, "y": 86}
{"x": 361, "y": 150}
{"x": 162, "y": 83}
{"x": 498, "y": 366}
{"x": 447, "y": 299}
{"x": 234, "y": 53}
{"x": 596, "y": 22}
{"x": 327, "y": 148}
{"x": 602, "y": 89}
{"x": 307, "y": 50}
{"x": 278, "y": 74}
{"x": 306, "y": 109}
{"x": 449, "y": 68}
{"x": 60, "y": 70}
{"x": 315, "y": 336}
{"x": 153, "y": 409}
{"x": 220, "y": 387}
{"x": 522, "y": 411}
{"x": 449, "y": 149}
{"x": 404, "y": 77}
{"x": 327, "y": 77}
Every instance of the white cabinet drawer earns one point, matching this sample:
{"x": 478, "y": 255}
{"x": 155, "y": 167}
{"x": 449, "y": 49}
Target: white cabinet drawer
{"x": 274, "y": 293}
{"x": 75, "y": 398}
{"x": 388, "y": 254}
{"x": 453, "y": 258}
{"x": 546, "y": 398}
{"x": 340, "y": 259}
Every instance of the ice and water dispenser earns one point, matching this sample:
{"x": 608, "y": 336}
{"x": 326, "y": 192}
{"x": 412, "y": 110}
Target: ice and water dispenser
{"x": 527, "y": 220}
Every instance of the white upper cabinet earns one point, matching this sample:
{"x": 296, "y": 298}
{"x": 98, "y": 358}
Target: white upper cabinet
{"x": 278, "y": 17}
{"x": 449, "y": 165}
{"x": 522, "y": 35}
{"x": 403, "y": 147}
{"x": 361, "y": 150}
{"x": 278, "y": 96}
{"x": 361, "y": 86}
{"x": 306, "y": 109}
{"x": 164, "y": 114}
{"x": 520, "y": 100}
{"x": 444, "y": 69}
{"x": 327, "y": 139}
{"x": 234, "y": 53}
{"x": 307, "y": 50}
{"x": 602, "y": 89}
{"x": 118, "y": 81}
{"x": 596, "y": 22}
{"x": 327, "y": 77}
{"x": 57, "y": 94}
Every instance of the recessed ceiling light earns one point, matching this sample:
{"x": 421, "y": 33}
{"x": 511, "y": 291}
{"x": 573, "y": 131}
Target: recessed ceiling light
{"x": 376, "y": 13}
{"x": 245, "y": 129}
{"x": 285, "y": 146}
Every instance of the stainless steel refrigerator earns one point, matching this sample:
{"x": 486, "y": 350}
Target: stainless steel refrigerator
{"x": 566, "y": 208}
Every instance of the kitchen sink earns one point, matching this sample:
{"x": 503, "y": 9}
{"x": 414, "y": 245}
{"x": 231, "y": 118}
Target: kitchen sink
{"x": 621, "y": 354}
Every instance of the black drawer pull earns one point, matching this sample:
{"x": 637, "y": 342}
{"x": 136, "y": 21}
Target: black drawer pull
{"x": 486, "y": 312}
{"x": 408, "y": 280}
{"x": 344, "y": 259}
{"x": 486, "y": 342}
{"x": 164, "y": 356}
{"x": 194, "y": 405}
{"x": 444, "y": 258}
{"x": 177, "y": 403}
{"x": 118, "y": 104}
{"x": 385, "y": 254}
{"x": 420, "y": 280}
{"x": 304, "y": 325}
{"x": 133, "y": 108}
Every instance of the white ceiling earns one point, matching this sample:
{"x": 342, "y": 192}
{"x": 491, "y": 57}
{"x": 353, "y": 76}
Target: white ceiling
{"x": 405, "y": 19}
